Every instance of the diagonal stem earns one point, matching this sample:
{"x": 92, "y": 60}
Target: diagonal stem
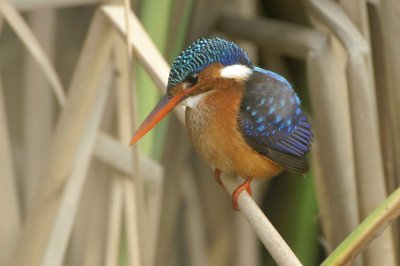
{"x": 268, "y": 235}
{"x": 371, "y": 228}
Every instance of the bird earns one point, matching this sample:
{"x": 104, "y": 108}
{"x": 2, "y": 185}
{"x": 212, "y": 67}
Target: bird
{"x": 242, "y": 119}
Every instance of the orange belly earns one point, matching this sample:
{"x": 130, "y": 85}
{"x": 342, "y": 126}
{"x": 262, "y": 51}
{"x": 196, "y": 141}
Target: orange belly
{"x": 214, "y": 131}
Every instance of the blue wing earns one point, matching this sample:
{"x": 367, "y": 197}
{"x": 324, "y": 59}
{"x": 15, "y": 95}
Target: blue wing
{"x": 272, "y": 121}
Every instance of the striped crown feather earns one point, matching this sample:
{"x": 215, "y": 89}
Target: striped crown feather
{"x": 203, "y": 53}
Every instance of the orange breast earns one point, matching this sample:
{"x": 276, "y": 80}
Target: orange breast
{"x": 213, "y": 128}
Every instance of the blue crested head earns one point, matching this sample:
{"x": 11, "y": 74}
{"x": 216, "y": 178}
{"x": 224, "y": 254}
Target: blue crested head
{"x": 203, "y": 53}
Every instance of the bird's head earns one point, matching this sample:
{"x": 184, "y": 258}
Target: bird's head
{"x": 192, "y": 74}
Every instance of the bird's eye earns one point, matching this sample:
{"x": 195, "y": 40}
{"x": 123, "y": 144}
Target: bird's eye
{"x": 191, "y": 80}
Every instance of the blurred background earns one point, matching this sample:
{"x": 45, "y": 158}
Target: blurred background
{"x": 71, "y": 93}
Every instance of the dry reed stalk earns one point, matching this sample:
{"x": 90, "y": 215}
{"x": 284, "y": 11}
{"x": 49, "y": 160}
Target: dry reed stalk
{"x": 125, "y": 118}
{"x": 122, "y": 58}
{"x": 383, "y": 98}
{"x": 332, "y": 146}
{"x": 39, "y": 105}
{"x": 27, "y": 5}
{"x": 369, "y": 167}
{"x": 246, "y": 9}
{"x": 268, "y": 235}
{"x": 135, "y": 257}
{"x": 325, "y": 217}
{"x": 21, "y": 29}
{"x": 120, "y": 158}
{"x": 114, "y": 222}
{"x": 128, "y": 9}
{"x": 116, "y": 155}
{"x": 371, "y": 180}
{"x": 65, "y": 146}
{"x": 115, "y": 212}
{"x": 171, "y": 195}
{"x": 86, "y": 246}
{"x": 65, "y": 218}
{"x": 248, "y": 244}
{"x": 389, "y": 13}
{"x": 248, "y": 252}
{"x": 200, "y": 27}
{"x": 143, "y": 48}
{"x": 222, "y": 249}
{"x": 9, "y": 202}
{"x": 194, "y": 221}
{"x": 154, "y": 186}
{"x": 357, "y": 12}
{"x": 179, "y": 21}
{"x": 278, "y": 36}
{"x": 218, "y": 214}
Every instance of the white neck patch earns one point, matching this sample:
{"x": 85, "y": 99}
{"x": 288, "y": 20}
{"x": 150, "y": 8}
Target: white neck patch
{"x": 193, "y": 101}
{"x": 236, "y": 72}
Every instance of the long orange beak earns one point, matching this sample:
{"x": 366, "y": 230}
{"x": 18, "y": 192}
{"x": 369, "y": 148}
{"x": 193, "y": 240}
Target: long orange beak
{"x": 164, "y": 106}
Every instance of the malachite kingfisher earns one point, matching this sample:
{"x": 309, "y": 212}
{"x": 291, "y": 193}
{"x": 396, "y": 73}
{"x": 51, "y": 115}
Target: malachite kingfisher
{"x": 242, "y": 119}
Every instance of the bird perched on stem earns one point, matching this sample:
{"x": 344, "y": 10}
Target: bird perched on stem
{"x": 242, "y": 119}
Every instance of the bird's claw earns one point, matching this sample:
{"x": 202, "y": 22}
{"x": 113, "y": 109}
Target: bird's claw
{"x": 217, "y": 176}
{"x": 238, "y": 190}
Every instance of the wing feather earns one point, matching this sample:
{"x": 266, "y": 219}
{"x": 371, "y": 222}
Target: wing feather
{"x": 272, "y": 121}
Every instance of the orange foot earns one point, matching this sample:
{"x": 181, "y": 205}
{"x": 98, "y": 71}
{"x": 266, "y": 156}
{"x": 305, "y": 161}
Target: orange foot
{"x": 238, "y": 190}
{"x": 217, "y": 176}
